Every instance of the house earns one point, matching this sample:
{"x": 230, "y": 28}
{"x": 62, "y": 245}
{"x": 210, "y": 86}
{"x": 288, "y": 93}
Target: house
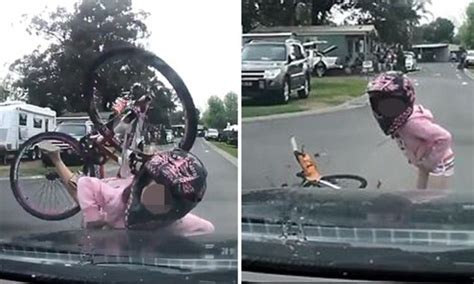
{"x": 432, "y": 52}
{"x": 351, "y": 41}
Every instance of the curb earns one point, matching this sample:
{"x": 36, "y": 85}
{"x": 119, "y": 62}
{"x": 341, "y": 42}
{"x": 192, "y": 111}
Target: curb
{"x": 358, "y": 102}
{"x": 233, "y": 160}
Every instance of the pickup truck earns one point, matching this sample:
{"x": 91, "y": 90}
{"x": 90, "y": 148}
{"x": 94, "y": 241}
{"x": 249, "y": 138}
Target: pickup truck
{"x": 320, "y": 63}
{"x": 275, "y": 70}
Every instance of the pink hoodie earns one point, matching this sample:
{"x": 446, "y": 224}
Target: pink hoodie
{"x": 424, "y": 142}
{"x": 101, "y": 200}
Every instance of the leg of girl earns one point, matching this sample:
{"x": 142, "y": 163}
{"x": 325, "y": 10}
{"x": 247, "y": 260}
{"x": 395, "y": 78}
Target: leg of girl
{"x": 422, "y": 181}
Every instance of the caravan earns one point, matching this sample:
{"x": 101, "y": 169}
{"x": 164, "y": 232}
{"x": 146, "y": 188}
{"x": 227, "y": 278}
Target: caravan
{"x": 18, "y": 122}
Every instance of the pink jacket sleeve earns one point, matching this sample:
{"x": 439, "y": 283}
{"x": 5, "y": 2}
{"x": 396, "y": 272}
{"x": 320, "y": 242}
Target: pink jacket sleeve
{"x": 90, "y": 199}
{"x": 436, "y": 142}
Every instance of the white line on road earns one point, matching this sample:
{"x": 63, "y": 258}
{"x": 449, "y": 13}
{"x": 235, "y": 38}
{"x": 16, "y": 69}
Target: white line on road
{"x": 464, "y": 83}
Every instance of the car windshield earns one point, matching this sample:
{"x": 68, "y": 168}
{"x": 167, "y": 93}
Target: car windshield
{"x": 264, "y": 52}
{"x": 72, "y": 129}
{"x": 471, "y": 53}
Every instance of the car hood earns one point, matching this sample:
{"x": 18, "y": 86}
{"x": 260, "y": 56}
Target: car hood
{"x": 327, "y": 233}
{"x": 261, "y": 65}
{"x": 119, "y": 256}
{"x": 129, "y": 243}
{"x": 351, "y": 207}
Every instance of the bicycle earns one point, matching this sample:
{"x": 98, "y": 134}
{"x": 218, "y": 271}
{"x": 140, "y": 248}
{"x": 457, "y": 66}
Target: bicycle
{"x": 312, "y": 177}
{"x": 120, "y": 140}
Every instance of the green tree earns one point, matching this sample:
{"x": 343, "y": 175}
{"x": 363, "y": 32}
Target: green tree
{"x": 231, "y": 107}
{"x": 395, "y": 20}
{"x": 466, "y": 31}
{"x": 285, "y": 12}
{"x": 215, "y": 114}
{"x": 53, "y": 77}
{"x": 440, "y": 30}
{"x": 4, "y": 93}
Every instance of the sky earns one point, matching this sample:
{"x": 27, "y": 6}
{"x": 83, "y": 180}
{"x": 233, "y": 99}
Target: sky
{"x": 453, "y": 10}
{"x": 199, "y": 39}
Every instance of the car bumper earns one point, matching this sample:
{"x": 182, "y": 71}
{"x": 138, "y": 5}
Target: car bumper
{"x": 261, "y": 88}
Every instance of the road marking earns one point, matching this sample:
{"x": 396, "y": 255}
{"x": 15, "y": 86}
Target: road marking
{"x": 464, "y": 83}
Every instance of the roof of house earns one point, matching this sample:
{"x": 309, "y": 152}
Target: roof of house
{"x": 319, "y": 30}
{"x": 430, "y": 45}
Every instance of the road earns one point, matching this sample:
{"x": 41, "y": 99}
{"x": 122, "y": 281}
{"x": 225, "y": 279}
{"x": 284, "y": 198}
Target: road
{"x": 354, "y": 142}
{"x": 219, "y": 205}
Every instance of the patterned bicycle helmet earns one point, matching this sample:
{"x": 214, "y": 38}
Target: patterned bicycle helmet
{"x": 392, "y": 97}
{"x": 183, "y": 177}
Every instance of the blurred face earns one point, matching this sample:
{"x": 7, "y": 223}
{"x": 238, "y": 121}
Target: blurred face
{"x": 156, "y": 199}
{"x": 388, "y": 106}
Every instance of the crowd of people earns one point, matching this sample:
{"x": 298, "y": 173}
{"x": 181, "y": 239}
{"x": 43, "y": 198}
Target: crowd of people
{"x": 390, "y": 58}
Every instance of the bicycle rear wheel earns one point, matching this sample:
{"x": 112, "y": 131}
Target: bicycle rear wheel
{"x": 36, "y": 185}
{"x": 121, "y": 57}
{"x": 346, "y": 181}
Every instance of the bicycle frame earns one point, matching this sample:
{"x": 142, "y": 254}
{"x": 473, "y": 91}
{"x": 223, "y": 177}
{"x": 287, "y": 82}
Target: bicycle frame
{"x": 310, "y": 172}
{"x": 131, "y": 134}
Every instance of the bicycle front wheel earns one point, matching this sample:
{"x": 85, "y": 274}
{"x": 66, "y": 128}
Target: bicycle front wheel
{"x": 346, "y": 181}
{"x": 172, "y": 109}
{"x": 36, "y": 185}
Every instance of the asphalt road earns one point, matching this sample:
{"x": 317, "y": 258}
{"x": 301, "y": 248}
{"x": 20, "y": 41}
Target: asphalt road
{"x": 354, "y": 142}
{"x": 219, "y": 205}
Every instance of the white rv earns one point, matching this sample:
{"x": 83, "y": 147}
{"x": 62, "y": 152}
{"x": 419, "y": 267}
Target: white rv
{"x": 18, "y": 122}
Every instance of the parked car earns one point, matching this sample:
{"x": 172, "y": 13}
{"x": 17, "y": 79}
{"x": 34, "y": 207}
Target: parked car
{"x": 169, "y": 136}
{"x": 230, "y": 135}
{"x": 410, "y": 61}
{"x": 275, "y": 71}
{"x": 211, "y": 134}
{"x": 75, "y": 129}
{"x": 470, "y": 58}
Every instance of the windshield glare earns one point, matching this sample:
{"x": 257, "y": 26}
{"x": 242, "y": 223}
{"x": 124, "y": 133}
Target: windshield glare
{"x": 264, "y": 53}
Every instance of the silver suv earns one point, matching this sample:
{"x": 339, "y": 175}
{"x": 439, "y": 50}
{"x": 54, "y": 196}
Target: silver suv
{"x": 275, "y": 70}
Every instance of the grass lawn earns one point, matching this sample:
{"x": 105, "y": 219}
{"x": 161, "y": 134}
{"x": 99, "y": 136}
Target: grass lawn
{"x": 325, "y": 92}
{"x": 230, "y": 149}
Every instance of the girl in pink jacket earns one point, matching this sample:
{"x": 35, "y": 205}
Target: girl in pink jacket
{"x": 160, "y": 196}
{"x": 427, "y": 145}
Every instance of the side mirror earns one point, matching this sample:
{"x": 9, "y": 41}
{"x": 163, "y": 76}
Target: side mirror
{"x": 291, "y": 58}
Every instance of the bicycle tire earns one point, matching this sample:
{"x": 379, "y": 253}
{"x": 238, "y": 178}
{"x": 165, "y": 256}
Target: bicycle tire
{"x": 87, "y": 169}
{"x": 160, "y": 65}
{"x": 335, "y": 179}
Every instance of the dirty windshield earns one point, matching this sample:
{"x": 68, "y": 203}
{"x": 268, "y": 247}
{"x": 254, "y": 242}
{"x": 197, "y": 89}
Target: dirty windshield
{"x": 360, "y": 169}
{"x": 104, "y": 176}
